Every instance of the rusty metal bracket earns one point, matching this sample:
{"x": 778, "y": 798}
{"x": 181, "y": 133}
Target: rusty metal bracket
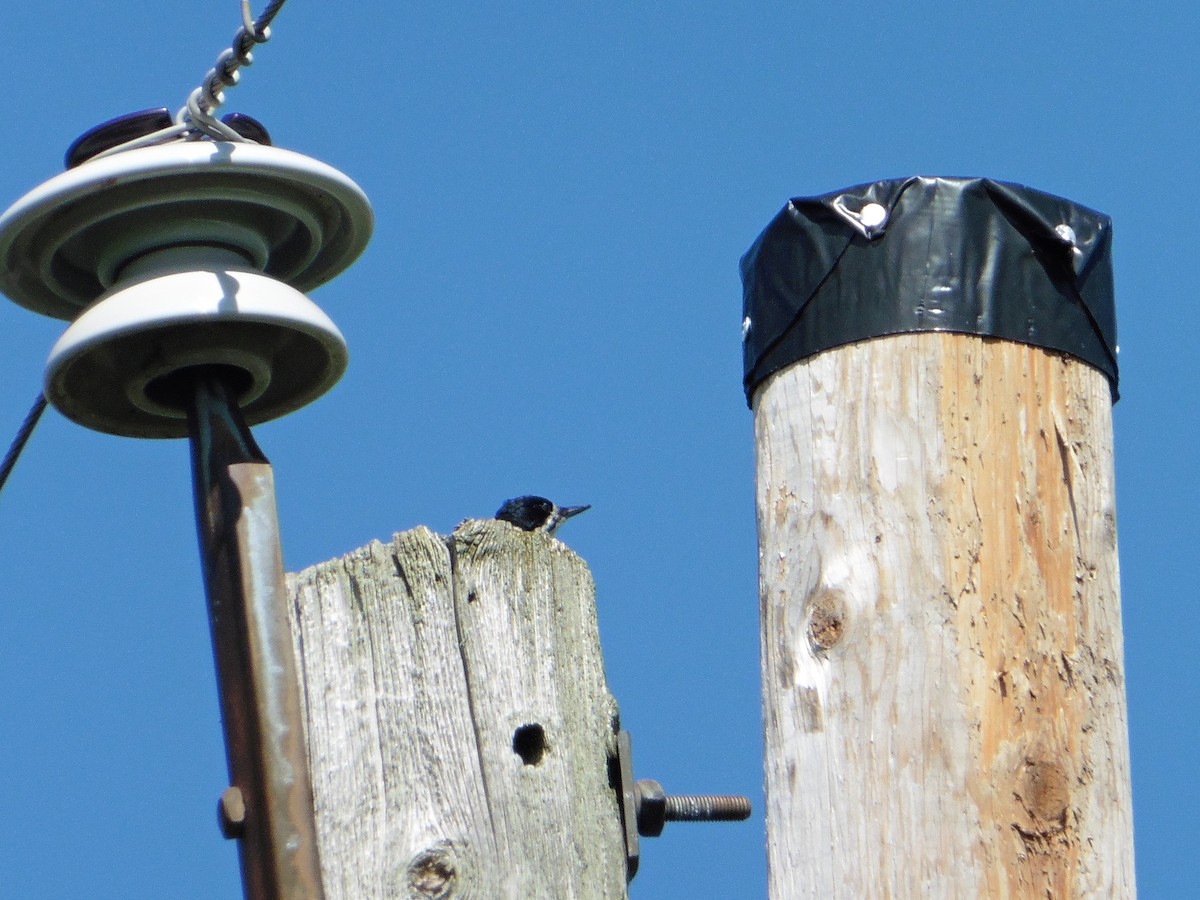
{"x": 269, "y": 808}
{"x": 627, "y": 795}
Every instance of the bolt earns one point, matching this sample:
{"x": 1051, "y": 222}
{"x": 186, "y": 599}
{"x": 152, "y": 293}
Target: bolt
{"x": 231, "y": 813}
{"x": 718, "y": 808}
{"x": 655, "y": 808}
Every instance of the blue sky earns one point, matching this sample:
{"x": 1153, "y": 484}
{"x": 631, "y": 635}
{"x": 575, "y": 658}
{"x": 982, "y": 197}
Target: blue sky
{"x": 551, "y": 304}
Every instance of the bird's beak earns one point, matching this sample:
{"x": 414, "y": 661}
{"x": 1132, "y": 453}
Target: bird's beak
{"x": 565, "y": 512}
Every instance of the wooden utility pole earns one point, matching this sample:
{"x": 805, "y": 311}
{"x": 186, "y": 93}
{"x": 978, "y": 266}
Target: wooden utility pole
{"x": 459, "y": 725}
{"x": 941, "y": 630}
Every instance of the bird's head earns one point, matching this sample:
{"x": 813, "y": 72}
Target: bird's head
{"x": 536, "y": 513}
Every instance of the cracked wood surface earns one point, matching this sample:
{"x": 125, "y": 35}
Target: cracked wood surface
{"x": 458, "y": 720}
{"x": 941, "y": 632}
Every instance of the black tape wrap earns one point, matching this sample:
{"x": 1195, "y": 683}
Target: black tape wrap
{"x": 966, "y": 255}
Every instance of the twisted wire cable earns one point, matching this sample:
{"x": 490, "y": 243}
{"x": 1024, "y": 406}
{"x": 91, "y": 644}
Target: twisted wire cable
{"x": 196, "y": 119}
{"x": 205, "y": 100}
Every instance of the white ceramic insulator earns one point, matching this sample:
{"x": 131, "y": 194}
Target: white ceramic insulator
{"x": 161, "y": 319}
{"x": 181, "y": 255}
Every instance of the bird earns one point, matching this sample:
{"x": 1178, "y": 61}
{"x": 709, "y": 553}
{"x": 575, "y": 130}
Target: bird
{"x": 536, "y": 513}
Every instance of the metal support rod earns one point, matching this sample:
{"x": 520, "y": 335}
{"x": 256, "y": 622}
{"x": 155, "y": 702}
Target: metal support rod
{"x": 269, "y": 807}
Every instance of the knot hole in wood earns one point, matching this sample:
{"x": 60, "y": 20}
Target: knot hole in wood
{"x": 434, "y": 873}
{"x": 826, "y": 620}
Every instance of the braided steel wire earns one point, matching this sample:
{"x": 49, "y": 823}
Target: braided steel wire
{"x": 205, "y": 100}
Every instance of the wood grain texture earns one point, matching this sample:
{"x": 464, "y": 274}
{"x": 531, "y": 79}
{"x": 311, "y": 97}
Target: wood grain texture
{"x": 941, "y": 633}
{"x": 429, "y": 666}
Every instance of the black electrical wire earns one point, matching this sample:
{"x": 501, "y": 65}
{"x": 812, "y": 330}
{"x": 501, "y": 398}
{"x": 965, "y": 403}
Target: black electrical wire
{"x": 22, "y": 438}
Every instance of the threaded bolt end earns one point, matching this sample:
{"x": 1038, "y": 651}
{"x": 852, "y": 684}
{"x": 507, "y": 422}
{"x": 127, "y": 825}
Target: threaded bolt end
{"x": 655, "y": 808}
{"x": 701, "y": 808}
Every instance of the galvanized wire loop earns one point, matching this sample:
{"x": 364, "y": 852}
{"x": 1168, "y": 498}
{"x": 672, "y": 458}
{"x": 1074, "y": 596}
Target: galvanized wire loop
{"x": 196, "y": 119}
{"x": 196, "y": 116}
{"x": 247, "y": 17}
{"x": 206, "y": 99}
{"x": 259, "y": 30}
{"x": 163, "y": 136}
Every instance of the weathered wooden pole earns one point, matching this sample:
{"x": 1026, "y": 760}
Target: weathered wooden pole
{"x": 461, "y": 732}
{"x": 941, "y": 631}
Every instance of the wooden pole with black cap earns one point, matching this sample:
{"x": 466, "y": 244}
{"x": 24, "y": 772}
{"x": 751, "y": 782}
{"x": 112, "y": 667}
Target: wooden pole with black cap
{"x": 931, "y": 364}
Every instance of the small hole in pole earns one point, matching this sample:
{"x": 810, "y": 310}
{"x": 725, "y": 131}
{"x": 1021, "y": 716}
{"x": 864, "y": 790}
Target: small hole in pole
{"x": 529, "y": 743}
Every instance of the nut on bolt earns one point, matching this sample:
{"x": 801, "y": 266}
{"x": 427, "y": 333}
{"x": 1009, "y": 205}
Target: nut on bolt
{"x": 646, "y": 808}
{"x": 231, "y": 813}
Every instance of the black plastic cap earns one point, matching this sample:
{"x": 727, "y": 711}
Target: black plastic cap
{"x": 115, "y": 132}
{"x": 966, "y": 255}
{"x": 249, "y": 128}
{"x": 134, "y": 125}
